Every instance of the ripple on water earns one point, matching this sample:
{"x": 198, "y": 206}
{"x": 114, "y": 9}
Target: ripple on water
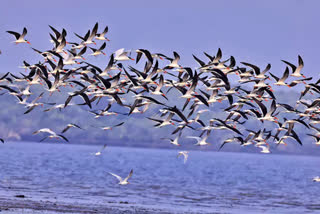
{"x": 208, "y": 180}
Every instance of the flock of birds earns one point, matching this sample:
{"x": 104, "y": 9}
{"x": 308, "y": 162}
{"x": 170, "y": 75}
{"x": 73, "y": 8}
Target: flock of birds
{"x": 244, "y": 89}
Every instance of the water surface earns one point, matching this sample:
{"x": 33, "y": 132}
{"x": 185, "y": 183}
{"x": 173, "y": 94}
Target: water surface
{"x": 208, "y": 182}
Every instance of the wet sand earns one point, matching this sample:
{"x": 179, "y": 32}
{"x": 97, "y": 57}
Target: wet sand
{"x": 25, "y": 205}
{"x": 28, "y": 206}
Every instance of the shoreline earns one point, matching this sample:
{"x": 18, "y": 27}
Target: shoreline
{"x": 30, "y": 206}
{"x": 27, "y": 205}
{"x": 168, "y": 148}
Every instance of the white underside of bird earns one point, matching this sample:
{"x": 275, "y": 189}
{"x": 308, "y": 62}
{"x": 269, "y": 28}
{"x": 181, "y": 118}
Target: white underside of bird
{"x": 122, "y": 181}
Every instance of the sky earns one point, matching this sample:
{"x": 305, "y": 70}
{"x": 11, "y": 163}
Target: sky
{"x": 259, "y": 32}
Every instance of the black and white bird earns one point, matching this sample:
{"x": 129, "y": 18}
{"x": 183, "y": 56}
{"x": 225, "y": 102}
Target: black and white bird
{"x": 20, "y": 37}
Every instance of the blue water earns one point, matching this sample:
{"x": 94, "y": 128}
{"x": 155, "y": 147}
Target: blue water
{"x": 208, "y": 182}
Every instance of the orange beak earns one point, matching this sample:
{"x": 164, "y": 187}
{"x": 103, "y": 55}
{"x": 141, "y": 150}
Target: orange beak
{"x": 28, "y": 42}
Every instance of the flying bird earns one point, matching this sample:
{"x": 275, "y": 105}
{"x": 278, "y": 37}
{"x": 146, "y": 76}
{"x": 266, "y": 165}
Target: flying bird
{"x": 20, "y": 37}
{"x": 98, "y": 153}
{"x": 185, "y": 155}
{"x": 121, "y": 180}
{"x": 69, "y": 126}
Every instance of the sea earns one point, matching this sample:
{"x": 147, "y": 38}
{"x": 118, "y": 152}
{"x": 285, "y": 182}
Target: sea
{"x": 209, "y": 182}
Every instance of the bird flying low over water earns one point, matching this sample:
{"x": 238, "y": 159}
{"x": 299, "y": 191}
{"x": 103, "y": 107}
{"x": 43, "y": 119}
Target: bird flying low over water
{"x": 200, "y": 141}
{"x": 185, "y": 155}
{"x": 100, "y": 151}
{"x": 51, "y": 133}
{"x": 265, "y": 149}
{"x": 230, "y": 140}
{"x": 316, "y": 179}
{"x": 173, "y": 141}
{"x": 121, "y": 180}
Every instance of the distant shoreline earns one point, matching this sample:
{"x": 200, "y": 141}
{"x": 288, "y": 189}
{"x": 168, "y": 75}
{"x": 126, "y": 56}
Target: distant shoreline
{"x": 191, "y": 148}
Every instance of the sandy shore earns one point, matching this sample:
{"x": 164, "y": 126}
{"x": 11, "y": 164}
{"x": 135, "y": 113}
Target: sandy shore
{"x": 28, "y": 206}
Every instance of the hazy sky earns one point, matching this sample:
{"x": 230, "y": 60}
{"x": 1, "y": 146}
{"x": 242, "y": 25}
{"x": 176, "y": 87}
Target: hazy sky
{"x": 259, "y": 32}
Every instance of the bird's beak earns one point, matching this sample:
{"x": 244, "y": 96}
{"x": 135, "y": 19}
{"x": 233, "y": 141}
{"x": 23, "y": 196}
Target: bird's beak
{"x": 28, "y": 42}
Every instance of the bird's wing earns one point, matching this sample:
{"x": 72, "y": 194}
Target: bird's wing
{"x": 63, "y": 137}
{"x": 65, "y": 129}
{"x": 17, "y": 35}
{"x": 75, "y": 125}
{"x": 185, "y": 157}
{"x": 104, "y": 146}
{"x": 129, "y": 176}
{"x": 117, "y": 176}
{"x": 119, "y": 52}
{"x": 285, "y": 74}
